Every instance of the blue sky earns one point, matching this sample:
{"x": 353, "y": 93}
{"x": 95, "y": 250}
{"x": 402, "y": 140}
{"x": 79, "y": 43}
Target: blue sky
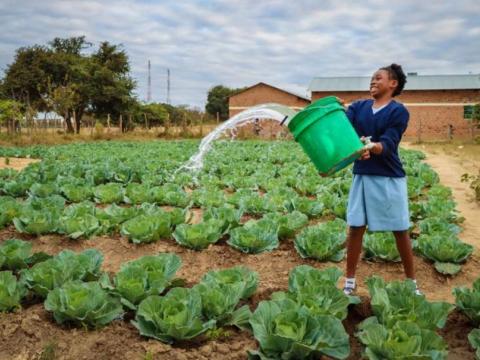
{"x": 239, "y": 43}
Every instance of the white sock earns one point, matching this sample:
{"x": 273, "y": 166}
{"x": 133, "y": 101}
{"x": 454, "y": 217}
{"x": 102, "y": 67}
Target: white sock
{"x": 350, "y": 282}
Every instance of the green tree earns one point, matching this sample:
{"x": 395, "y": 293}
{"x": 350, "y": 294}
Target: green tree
{"x": 62, "y": 76}
{"x": 217, "y": 101}
{"x": 10, "y": 114}
{"x": 155, "y": 114}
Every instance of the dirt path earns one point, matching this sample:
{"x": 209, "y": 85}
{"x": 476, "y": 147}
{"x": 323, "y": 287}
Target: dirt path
{"x": 15, "y": 163}
{"x": 450, "y": 167}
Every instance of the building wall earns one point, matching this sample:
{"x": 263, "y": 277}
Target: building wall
{"x": 431, "y": 111}
{"x": 261, "y": 94}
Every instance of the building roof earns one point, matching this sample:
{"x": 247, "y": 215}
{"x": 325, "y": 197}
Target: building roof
{"x": 414, "y": 82}
{"x": 304, "y": 97}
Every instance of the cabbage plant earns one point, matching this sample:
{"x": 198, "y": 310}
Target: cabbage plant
{"x": 286, "y": 330}
{"x": 175, "y": 316}
{"x": 404, "y": 340}
{"x": 445, "y": 250}
{"x": 220, "y": 301}
{"x": 137, "y": 193}
{"x": 74, "y": 227}
{"x": 396, "y": 301}
{"x": 234, "y": 275}
{"x": 9, "y": 209}
{"x": 36, "y": 222}
{"x": 255, "y": 236}
{"x": 198, "y": 236}
{"x": 83, "y": 303}
{"x": 468, "y": 301}
{"x": 229, "y": 216}
{"x": 76, "y": 193}
{"x": 289, "y": 223}
{"x": 381, "y": 246}
{"x": 146, "y": 228}
{"x": 65, "y": 266}
{"x": 11, "y": 291}
{"x": 474, "y": 339}
{"x": 109, "y": 193}
{"x": 145, "y": 276}
{"x": 323, "y": 241}
{"x": 15, "y": 254}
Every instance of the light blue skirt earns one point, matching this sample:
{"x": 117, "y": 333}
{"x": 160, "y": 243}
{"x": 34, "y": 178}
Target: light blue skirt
{"x": 379, "y": 202}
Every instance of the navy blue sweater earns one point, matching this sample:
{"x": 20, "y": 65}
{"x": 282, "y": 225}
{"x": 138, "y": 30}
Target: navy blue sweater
{"x": 386, "y": 126}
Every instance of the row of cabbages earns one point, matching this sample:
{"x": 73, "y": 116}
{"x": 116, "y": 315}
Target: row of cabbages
{"x": 303, "y": 322}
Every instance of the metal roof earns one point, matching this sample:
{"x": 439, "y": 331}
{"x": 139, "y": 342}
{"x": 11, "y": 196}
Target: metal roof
{"x": 414, "y": 82}
{"x": 304, "y": 97}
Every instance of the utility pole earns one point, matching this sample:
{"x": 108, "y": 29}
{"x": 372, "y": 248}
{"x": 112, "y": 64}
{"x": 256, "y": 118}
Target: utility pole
{"x": 149, "y": 90}
{"x": 168, "y": 86}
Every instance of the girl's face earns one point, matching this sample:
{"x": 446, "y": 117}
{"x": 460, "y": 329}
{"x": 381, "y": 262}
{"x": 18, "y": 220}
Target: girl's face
{"x": 381, "y": 85}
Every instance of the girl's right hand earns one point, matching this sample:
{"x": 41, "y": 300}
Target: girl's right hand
{"x": 341, "y": 101}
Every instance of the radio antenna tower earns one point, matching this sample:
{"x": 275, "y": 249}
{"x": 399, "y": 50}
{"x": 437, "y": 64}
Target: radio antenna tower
{"x": 149, "y": 90}
{"x": 168, "y": 86}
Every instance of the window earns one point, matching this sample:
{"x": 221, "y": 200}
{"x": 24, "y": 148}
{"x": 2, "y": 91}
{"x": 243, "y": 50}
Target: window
{"x": 467, "y": 111}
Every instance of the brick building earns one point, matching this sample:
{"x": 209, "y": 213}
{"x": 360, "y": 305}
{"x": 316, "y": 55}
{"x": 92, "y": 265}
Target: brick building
{"x": 262, "y": 93}
{"x": 434, "y": 101}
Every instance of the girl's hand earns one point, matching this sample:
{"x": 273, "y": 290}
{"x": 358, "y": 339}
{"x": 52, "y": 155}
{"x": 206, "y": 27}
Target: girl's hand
{"x": 365, "y": 155}
{"x": 341, "y": 101}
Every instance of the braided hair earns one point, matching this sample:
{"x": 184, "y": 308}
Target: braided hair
{"x": 395, "y": 72}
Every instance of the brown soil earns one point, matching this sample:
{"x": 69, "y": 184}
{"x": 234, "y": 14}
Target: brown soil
{"x": 32, "y": 334}
{"x": 26, "y": 334}
{"x": 15, "y": 163}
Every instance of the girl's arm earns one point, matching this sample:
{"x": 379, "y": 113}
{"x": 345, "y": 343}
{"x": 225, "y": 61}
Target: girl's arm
{"x": 390, "y": 139}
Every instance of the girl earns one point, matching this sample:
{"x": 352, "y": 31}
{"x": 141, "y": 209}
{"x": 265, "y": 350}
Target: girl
{"x": 378, "y": 196}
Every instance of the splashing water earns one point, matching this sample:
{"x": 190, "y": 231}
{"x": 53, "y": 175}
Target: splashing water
{"x": 271, "y": 111}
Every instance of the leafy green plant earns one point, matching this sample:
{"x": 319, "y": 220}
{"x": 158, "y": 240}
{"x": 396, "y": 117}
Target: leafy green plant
{"x": 229, "y": 216}
{"x": 175, "y": 316}
{"x": 146, "y": 228}
{"x": 311, "y": 208}
{"x": 220, "y": 301}
{"x": 404, "y": 340}
{"x": 42, "y": 190}
{"x": 11, "y": 291}
{"x": 198, "y": 236}
{"x": 9, "y": 209}
{"x": 445, "y": 250}
{"x": 437, "y": 225}
{"x": 255, "y": 236}
{"x": 286, "y": 330}
{"x": 15, "y": 254}
{"x": 474, "y": 339}
{"x": 468, "y": 301}
{"x": 137, "y": 193}
{"x": 109, "y": 193}
{"x": 289, "y": 223}
{"x": 83, "y": 303}
{"x": 74, "y": 227}
{"x": 381, "y": 246}
{"x": 323, "y": 241}
{"x": 396, "y": 301}
{"x": 234, "y": 275}
{"x": 77, "y": 193}
{"x": 65, "y": 266}
{"x": 148, "y": 275}
{"x": 36, "y": 222}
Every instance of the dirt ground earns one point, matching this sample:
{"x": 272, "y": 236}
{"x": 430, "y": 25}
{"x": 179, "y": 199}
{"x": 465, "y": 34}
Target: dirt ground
{"x": 15, "y": 163}
{"x": 31, "y": 333}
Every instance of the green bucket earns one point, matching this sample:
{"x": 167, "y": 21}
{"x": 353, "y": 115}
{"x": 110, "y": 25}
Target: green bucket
{"x": 326, "y": 135}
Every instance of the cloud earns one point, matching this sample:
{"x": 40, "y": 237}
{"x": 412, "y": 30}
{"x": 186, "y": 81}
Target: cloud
{"x": 210, "y": 42}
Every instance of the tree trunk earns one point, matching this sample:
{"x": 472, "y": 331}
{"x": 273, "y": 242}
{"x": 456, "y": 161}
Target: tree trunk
{"x": 78, "y": 118}
{"x": 68, "y": 121}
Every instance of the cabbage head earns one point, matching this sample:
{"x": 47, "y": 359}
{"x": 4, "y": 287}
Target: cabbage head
{"x": 83, "y": 303}
{"x": 175, "y": 316}
{"x": 198, "y": 236}
{"x": 286, "y": 330}
{"x": 145, "y": 276}
{"x": 255, "y": 236}
{"x": 11, "y": 291}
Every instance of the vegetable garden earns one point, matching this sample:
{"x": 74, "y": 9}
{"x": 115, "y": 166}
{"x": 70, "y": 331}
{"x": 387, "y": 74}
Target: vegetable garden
{"x": 107, "y": 252}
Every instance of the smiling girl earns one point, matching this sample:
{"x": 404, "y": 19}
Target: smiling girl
{"x": 378, "y": 196}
